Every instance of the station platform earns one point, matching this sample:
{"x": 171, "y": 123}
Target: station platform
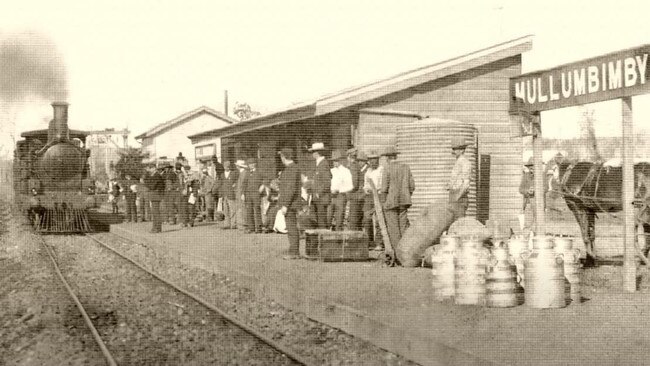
{"x": 394, "y": 308}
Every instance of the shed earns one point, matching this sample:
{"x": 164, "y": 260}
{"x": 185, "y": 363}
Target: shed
{"x": 472, "y": 88}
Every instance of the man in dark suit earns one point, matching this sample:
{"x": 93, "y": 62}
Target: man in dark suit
{"x": 228, "y": 186}
{"x": 357, "y": 163}
{"x": 156, "y": 185}
{"x": 289, "y": 200}
{"x": 397, "y": 186}
{"x": 218, "y": 176}
{"x": 321, "y": 184}
{"x": 253, "y": 188}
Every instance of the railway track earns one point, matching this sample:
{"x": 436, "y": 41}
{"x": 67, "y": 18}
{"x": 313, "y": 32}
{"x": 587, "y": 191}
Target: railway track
{"x": 283, "y": 355}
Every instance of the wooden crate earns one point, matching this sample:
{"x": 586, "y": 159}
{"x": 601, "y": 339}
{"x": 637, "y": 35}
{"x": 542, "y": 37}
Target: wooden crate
{"x": 336, "y": 246}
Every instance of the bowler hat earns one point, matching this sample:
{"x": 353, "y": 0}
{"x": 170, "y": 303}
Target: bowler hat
{"x": 458, "y": 142}
{"x": 373, "y": 154}
{"x": 529, "y": 162}
{"x": 337, "y": 155}
{"x": 317, "y": 146}
{"x": 352, "y": 151}
{"x": 389, "y": 151}
{"x": 241, "y": 163}
{"x": 361, "y": 156}
{"x": 250, "y": 161}
{"x": 286, "y": 152}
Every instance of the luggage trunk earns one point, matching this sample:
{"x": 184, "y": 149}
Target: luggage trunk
{"x": 336, "y": 246}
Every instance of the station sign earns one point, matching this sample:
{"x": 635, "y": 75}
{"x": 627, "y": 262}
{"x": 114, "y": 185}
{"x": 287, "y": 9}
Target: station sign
{"x": 615, "y": 75}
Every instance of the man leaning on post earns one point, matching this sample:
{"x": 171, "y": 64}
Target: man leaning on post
{"x": 289, "y": 200}
{"x": 459, "y": 180}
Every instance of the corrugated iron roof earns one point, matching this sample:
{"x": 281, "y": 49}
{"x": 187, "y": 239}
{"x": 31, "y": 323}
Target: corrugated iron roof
{"x": 332, "y": 102}
{"x": 183, "y": 118}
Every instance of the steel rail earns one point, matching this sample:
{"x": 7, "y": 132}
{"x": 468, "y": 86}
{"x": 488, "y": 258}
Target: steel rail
{"x": 230, "y": 318}
{"x": 98, "y": 339}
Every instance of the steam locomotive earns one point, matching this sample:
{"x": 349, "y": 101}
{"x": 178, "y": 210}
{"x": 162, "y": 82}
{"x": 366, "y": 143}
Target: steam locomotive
{"x": 51, "y": 176}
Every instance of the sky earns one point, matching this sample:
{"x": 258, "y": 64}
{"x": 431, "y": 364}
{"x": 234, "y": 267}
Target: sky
{"x": 136, "y": 64}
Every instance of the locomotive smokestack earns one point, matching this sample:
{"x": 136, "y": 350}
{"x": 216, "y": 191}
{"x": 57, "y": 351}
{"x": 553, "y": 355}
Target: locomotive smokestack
{"x": 58, "y": 129}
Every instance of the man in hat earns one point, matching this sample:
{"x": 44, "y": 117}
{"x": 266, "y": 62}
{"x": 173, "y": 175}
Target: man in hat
{"x": 172, "y": 193}
{"x": 228, "y": 187}
{"x": 357, "y": 163}
{"x": 397, "y": 187}
{"x": 340, "y": 187}
{"x": 252, "y": 197}
{"x": 130, "y": 192}
{"x": 374, "y": 174}
{"x": 207, "y": 186}
{"x": 189, "y": 196}
{"x": 239, "y": 192}
{"x": 527, "y": 190}
{"x": 321, "y": 184}
{"x": 289, "y": 200}
{"x": 218, "y": 176}
{"x": 156, "y": 189}
{"x": 460, "y": 178}
{"x": 552, "y": 186}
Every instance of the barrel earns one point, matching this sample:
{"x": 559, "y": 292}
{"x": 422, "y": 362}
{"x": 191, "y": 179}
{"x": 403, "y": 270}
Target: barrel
{"x": 501, "y": 283}
{"x": 442, "y": 263}
{"x": 425, "y": 146}
{"x": 571, "y": 257}
{"x": 544, "y": 273}
{"x": 470, "y": 267}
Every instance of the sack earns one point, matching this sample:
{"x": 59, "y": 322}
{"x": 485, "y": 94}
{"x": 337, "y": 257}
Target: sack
{"x": 280, "y": 225}
{"x": 424, "y": 232}
{"x": 192, "y": 199}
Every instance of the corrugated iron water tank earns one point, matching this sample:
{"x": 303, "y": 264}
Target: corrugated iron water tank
{"x": 425, "y": 146}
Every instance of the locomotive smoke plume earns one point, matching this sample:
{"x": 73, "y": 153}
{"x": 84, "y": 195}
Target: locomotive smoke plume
{"x": 32, "y": 75}
{"x": 32, "y": 67}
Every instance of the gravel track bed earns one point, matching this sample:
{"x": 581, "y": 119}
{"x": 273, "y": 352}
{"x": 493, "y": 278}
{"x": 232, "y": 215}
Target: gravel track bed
{"x": 145, "y": 322}
{"x": 314, "y": 341}
{"x": 39, "y": 323}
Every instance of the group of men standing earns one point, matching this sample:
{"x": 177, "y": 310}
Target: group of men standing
{"x": 331, "y": 187}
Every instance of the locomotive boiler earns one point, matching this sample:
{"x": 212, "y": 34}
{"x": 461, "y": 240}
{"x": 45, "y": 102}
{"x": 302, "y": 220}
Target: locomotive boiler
{"x": 51, "y": 176}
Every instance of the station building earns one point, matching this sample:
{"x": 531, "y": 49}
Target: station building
{"x": 167, "y": 139}
{"x": 471, "y": 88}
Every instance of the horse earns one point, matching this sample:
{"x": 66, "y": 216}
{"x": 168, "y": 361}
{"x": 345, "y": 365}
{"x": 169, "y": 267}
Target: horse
{"x": 589, "y": 188}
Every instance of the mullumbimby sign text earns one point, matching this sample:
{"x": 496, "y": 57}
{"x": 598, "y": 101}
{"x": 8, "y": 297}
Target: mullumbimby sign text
{"x": 615, "y": 75}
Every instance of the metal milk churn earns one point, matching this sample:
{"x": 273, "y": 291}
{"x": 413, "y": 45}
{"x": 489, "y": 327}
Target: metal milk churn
{"x": 442, "y": 263}
{"x": 544, "y": 272}
{"x": 470, "y": 267}
{"x": 517, "y": 245}
{"x": 571, "y": 256}
{"x": 501, "y": 285}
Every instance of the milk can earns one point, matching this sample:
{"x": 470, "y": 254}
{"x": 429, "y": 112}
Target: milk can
{"x": 516, "y": 245}
{"x": 470, "y": 266}
{"x": 544, "y": 273}
{"x": 501, "y": 284}
{"x": 442, "y": 263}
{"x": 571, "y": 256}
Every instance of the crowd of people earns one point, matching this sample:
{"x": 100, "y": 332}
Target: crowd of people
{"x": 333, "y": 193}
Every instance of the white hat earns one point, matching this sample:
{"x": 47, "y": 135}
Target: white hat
{"x": 317, "y": 146}
{"x": 241, "y": 163}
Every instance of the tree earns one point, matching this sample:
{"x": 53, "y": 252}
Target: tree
{"x": 244, "y": 112}
{"x": 130, "y": 162}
